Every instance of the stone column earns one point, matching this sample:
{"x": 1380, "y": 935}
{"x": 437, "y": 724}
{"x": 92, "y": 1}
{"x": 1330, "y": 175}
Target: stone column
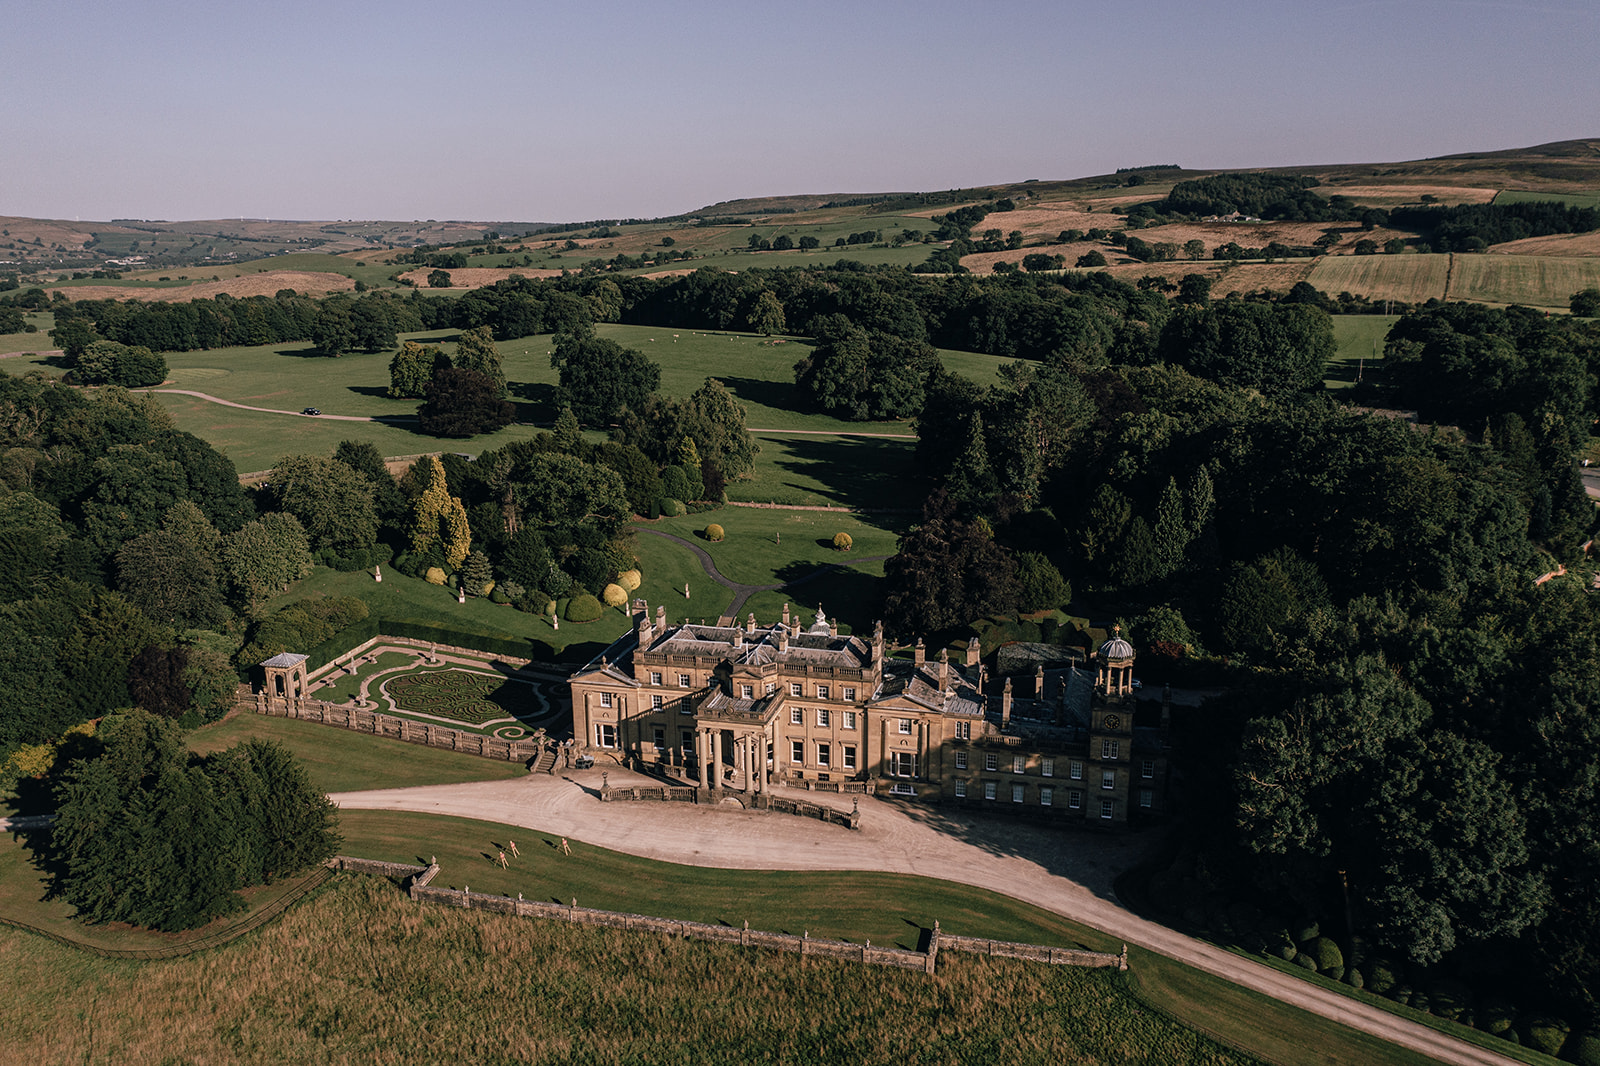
{"x": 747, "y": 748}
{"x": 761, "y": 759}
{"x": 702, "y": 750}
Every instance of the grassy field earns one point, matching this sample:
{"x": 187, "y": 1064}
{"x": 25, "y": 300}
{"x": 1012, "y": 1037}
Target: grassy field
{"x": 289, "y": 377}
{"x": 818, "y": 471}
{"x": 340, "y": 760}
{"x": 28, "y": 342}
{"x": 1532, "y": 280}
{"x": 1360, "y": 339}
{"x": 415, "y": 600}
{"x": 1412, "y": 278}
{"x": 887, "y": 909}
{"x": 767, "y": 547}
{"x": 342, "y": 979}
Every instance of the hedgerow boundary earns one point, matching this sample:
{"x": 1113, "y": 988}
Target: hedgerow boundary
{"x": 416, "y": 881}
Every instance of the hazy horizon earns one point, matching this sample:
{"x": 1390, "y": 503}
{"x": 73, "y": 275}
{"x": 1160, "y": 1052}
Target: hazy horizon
{"x": 501, "y": 111}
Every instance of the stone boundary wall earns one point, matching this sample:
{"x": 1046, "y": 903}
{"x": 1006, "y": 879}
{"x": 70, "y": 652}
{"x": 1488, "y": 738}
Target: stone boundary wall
{"x": 387, "y": 725}
{"x": 417, "y": 880}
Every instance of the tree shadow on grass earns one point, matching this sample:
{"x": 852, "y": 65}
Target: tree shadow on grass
{"x": 535, "y": 401}
{"x": 778, "y": 395}
{"x": 865, "y": 472}
{"x": 851, "y": 597}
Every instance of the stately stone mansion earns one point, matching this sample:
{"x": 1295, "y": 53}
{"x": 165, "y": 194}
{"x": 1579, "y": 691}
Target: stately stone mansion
{"x": 735, "y": 707}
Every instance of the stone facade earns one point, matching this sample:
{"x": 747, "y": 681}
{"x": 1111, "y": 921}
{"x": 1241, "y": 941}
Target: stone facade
{"x": 737, "y": 707}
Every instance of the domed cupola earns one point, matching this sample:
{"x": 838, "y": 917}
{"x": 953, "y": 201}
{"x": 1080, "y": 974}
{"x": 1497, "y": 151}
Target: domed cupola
{"x": 1114, "y": 673}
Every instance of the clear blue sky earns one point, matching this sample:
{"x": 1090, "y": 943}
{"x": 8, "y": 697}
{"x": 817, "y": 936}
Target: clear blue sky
{"x": 517, "y": 110}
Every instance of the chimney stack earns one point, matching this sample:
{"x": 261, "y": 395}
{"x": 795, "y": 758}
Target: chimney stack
{"x": 944, "y": 669}
{"x": 974, "y": 652}
{"x": 786, "y": 614}
{"x": 1005, "y": 705}
{"x": 920, "y": 655}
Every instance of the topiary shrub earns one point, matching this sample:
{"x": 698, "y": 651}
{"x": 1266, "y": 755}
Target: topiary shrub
{"x": 630, "y": 579}
{"x": 1327, "y": 954}
{"x": 1306, "y": 961}
{"x": 842, "y": 542}
{"x": 1381, "y": 978}
{"x": 434, "y": 576}
{"x": 1584, "y": 1048}
{"x": 1354, "y": 979}
{"x": 1545, "y": 1032}
{"x": 1305, "y": 930}
{"x": 671, "y": 508}
{"x": 714, "y": 532}
{"x": 1401, "y": 994}
{"x": 1423, "y": 1002}
{"x": 584, "y": 608}
{"x": 499, "y": 596}
{"x": 614, "y": 595}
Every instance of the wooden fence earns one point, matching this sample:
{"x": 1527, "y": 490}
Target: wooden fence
{"x": 417, "y": 878}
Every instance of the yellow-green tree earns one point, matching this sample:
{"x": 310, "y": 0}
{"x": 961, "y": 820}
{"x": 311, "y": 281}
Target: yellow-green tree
{"x": 438, "y": 519}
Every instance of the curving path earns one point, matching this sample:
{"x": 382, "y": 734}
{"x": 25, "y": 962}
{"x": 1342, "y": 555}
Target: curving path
{"x": 270, "y": 410}
{"x": 1069, "y": 873}
{"x": 741, "y": 591}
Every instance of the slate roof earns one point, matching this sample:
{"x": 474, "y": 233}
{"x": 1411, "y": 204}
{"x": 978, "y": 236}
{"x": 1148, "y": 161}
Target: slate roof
{"x": 286, "y": 659}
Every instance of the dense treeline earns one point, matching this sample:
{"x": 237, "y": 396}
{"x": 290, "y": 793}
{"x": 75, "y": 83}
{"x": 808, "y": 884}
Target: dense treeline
{"x": 1272, "y": 197}
{"x": 1416, "y": 726}
{"x": 1470, "y": 227}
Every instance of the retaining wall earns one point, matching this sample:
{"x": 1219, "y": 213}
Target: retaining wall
{"x": 387, "y": 725}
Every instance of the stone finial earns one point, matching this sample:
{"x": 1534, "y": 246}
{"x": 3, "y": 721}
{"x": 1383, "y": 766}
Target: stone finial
{"x": 919, "y": 654}
{"x": 750, "y": 622}
{"x": 786, "y": 614}
{"x": 1038, "y": 680}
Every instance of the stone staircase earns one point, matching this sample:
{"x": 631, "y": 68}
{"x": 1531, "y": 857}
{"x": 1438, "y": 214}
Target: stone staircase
{"x": 546, "y": 762}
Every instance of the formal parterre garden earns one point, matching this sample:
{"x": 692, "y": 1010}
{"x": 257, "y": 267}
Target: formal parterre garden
{"x": 442, "y": 688}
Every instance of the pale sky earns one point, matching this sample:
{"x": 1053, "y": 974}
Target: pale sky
{"x": 516, "y": 110}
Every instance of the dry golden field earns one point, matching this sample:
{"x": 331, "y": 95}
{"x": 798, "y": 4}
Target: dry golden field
{"x": 1412, "y": 278}
{"x": 1537, "y": 281}
{"x": 265, "y": 283}
{"x": 476, "y": 277}
{"x": 1559, "y": 244}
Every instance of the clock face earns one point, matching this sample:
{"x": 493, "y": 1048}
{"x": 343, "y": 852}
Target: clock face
{"x": 1113, "y": 722}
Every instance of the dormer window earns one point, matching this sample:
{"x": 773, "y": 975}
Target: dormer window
{"x": 747, "y": 692}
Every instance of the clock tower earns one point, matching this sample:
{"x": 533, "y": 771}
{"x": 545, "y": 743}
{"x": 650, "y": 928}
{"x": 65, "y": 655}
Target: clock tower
{"x": 1111, "y": 733}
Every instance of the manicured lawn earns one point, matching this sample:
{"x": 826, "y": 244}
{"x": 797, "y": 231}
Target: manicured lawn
{"x": 884, "y": 908}
{"x": 412, "y": 599}
{"x": 340, "y": 760}
{"x": 765, "y": 546}
{"x": 866, "y": 472}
